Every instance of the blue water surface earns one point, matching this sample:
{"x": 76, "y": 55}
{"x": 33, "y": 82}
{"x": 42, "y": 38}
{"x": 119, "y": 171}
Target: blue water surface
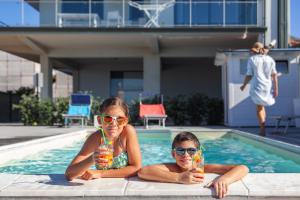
{"x": 156, "y": 148}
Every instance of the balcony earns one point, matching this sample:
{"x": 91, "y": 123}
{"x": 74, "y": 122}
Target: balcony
{"x": 135, "y": 14}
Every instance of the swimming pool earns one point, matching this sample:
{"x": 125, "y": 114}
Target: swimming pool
{"x": 221, "y": 147}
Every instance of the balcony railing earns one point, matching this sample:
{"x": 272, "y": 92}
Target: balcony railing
{"x": 125, "y": 13}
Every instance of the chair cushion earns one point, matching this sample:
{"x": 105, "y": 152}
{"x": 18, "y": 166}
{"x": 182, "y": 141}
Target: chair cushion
{"x": 152, "y": 109}
{"x": 83, "y": 110}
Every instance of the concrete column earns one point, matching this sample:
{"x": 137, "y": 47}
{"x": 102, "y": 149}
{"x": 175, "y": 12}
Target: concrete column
{"x": 75, "y": 80}
{"x": 152, "y": 68}
{"x": 46, "y": 70}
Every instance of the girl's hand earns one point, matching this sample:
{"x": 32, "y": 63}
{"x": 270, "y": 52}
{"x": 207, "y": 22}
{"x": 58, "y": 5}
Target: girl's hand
{"x": 99, "y": 157}
{"x": 275, "y": 93}
{"x": 190, "y": 177}
{"x": 91, "y": 174}
{"x": 220, "y": 185}
{"x": 242, "y": 87}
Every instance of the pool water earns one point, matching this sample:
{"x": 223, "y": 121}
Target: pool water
{"x": 156, "y": 148}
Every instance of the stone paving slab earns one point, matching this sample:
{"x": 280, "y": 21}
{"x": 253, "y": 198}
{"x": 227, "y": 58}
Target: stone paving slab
{"x": 273, "y": 184}
{"x": 7, "y": 179}
{"x": 147, "y": 188}
{"x": 56, "y": 185}
{"x": 253, "y": 186}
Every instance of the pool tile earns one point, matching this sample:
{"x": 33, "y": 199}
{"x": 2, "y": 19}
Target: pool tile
{"x": 138, "y": 187}
{"x": 273, "y": 185}
{"x": 56, "y": 185}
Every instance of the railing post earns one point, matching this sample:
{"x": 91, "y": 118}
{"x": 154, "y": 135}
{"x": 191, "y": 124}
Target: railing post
{"x": 123, "y": 14}
{"x": 224, "y": 13}
{"x": 90, "y": 13}
{"x": 56, "y": 12}
{"x": 190, "y": 13}
{"x": 22, "y": 12}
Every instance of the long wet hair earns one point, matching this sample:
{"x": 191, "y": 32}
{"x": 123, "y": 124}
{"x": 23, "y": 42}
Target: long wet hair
{"x": 185, "y": 136}
{"x": 114, "y": 101}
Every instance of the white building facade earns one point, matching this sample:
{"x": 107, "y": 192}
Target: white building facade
{"x": 152, "y": 46}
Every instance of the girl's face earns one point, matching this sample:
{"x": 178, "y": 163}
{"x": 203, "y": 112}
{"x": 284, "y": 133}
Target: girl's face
{"x": 113, "y": 121}
{"x": 184, "y": 161}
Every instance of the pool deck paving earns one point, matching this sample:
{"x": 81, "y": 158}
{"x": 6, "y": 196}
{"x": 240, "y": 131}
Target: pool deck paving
{"x": 253, "y": 186}
{"x": 55, "y": 186}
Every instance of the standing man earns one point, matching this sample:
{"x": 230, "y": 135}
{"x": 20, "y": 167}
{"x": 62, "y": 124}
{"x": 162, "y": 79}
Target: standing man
{"x": 261, "y": 71}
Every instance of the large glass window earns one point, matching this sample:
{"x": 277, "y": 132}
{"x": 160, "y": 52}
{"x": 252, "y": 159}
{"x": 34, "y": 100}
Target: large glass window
{"x": 127, "y": 84}
{"x": 182, "y": 12}
{"x": 211, "y": 12}
{"x": 75, "y": 6}
{"x": 207, "y": 13}
{"x": 241, "y": 12}
{"x": 136, "y": 15}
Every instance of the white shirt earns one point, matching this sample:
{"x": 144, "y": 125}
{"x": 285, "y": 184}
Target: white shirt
{"x": 261, "y": 67}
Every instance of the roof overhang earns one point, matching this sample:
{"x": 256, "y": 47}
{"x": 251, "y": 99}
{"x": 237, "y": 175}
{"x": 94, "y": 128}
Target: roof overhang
{"x": 30, "y": 43}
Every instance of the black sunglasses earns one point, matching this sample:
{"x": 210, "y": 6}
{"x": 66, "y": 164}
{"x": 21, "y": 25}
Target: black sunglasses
{"x": 181, "y": 151}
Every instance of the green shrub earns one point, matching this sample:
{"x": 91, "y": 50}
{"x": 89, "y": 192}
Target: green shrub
{"x": 215, "y": 111}
{"x": 176, "y": 109}
{"x": 197, "y": 109}
{"x": 46, "y": 113}
{"x": 29, "y": 109}
{"x": 96, "y": 103}
{"x": 61, "y": 105}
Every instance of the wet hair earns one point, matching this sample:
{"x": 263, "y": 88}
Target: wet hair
{"x": 114, "y": 101}
{"x": 258, "y": 48}
{"x": 185, "y": 136}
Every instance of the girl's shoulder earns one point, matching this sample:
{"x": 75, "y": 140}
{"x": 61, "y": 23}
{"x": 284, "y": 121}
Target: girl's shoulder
{"x": 94, "y": 135}
{"x": 129, "y": 129}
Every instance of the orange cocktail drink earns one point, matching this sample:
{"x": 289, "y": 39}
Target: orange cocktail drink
{"x": 107, "y": 153}
{"x": 198, "y": 162}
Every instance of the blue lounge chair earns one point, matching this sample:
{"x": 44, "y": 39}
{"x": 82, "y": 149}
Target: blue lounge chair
{"x": 79, "y": 109}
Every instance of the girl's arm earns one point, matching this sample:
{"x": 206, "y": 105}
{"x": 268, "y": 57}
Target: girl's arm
{"x": 169, "y": 173}
{"x": 83, "y": 160}
{"x": 246, "y": 81}
{"x": 134, "y": 158}
{"x": 275, "y": 84}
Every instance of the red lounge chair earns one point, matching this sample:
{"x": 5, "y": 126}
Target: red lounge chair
{"x": 153, "y": 112}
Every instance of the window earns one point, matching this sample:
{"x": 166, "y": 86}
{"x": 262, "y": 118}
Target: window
{"x": 282, "y": 66}
{"x": 127, "y": 84}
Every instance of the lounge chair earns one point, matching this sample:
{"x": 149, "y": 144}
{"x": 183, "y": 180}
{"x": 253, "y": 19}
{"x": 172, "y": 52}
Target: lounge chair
{"x": 284, "y": 118}
{"x": 153, "y": 112}
{"x": 79, "y": 109}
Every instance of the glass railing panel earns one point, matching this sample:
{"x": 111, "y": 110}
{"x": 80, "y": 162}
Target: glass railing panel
{"x": 75, "y": 14}
{"x": 207, "y": 13}
{"x": 182, "y": 12}
{"x": 10, "y": 13}
{"x": 241, "y": 13}
{"x": 124, "y": 13}
{"x": 112, "y": 15}
{"x": 31, "y": 14}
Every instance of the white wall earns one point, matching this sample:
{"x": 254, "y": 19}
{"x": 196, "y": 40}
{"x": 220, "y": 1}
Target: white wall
{"x": 96, "y": 77}
{"x": 241, "y": 109}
